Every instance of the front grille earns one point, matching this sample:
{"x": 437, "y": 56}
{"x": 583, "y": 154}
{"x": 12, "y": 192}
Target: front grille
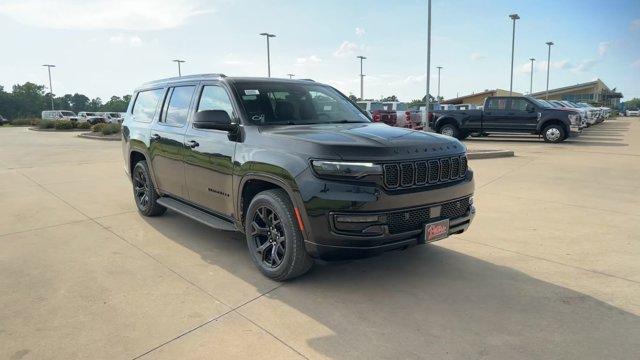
{"x": 419, "y": 173}
{"x": 414, "y": 219}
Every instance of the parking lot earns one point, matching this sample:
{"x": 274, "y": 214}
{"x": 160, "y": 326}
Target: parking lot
{"x": 549, "y": 268}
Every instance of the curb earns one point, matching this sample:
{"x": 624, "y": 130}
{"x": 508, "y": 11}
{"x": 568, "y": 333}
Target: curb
{"x": 489, "y": 154}
{"x": 55, "y": 130}
{"x": 99, "y": 137}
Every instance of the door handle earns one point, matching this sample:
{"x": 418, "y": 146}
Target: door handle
{"x": 155, "y": 137}
{"x": 192, "y": 144}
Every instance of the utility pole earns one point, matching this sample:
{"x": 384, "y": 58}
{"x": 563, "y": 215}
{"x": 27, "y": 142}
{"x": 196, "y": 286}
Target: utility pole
{"x": 438, "y": 98}
{"x": 291, "y": 76}
{"x": 49, "y": 66}
{"x": 179, "y": 62}
{"x": 531, "y": 81}
{"x": 549, "y": 43}
{"x": 513, "y": 17}
{"x": 267, "y": 35}
{"x": 426, "y": 102}
{"x": 361, "y": 77}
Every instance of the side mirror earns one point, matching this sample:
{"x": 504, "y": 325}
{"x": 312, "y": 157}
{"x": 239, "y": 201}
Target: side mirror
{"x": 214, "y": 120}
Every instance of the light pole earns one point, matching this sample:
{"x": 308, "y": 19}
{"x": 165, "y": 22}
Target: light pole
{"x": 49, "y": 66}
{"x": 531, "y": 81}
{"x": 291, "y": 76}
{"x": 513, "y": 17}
{"x": 361, "y": 77}
{"x": 549, "y": 43}
{"x": 267, "y": 35}
{"x": 438, "y": 98}
{"x": 179, "y": 62}
{"x": 426, "y": 99}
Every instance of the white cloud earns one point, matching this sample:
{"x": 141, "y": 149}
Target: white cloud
{"x": 603, "y": 47}
{"x": 360, "y": 31}
{"x": 636, "y": 64}
{"x": 347, "y": 48}
{"x": 635, "y": 25}
{"x": 584, "y": 65}
{"x": 309, "y": 60}
{"x": 477, "y": 56}
{"x": 133, "y": 41}
{"x": 525, "y": 68}
{"x": 411, "y": 79}
{"x": 102, "y": 14}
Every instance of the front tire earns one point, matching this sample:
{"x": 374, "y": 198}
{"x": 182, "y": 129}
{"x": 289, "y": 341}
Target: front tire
{"x": 554, "y": 133}
{"x": 275, "y": 243}
{"x": 144, "y": 192}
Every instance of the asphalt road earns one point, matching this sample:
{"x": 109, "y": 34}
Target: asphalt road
{"x": 549, "y": 269}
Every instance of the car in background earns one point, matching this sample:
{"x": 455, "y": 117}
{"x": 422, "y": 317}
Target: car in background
{"x": 4, "y": 121}
{"x": 378, "y": 112}
{"x": 597, "y": 113}
{"x": 633, "y": 112}
{"x": 112, "y": 117}
{"x": 59, "y": 115}
{"x": 509, "y": 114}
{"x": 90, "y": 117}
{"x": 405, "y": 117}
{"x": 585, "y": 118}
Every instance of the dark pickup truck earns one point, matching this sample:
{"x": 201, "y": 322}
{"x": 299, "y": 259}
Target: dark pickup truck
{"x": 509, "y": 114}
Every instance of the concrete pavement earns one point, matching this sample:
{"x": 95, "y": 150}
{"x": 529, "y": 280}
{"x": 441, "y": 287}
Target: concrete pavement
{"x": 549, "y": 269}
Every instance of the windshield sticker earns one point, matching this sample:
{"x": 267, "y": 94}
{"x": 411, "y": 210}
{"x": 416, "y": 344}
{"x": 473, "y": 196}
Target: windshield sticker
{"x": 251, "y": 92}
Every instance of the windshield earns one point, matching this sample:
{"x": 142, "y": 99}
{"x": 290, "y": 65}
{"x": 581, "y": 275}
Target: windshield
{"x": 271, "y": 103}
{"x": 115, "y": 115}
{"x": 540, "y": 103}
{"x": 68, "y": 113}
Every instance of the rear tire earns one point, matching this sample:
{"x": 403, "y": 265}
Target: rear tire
{"x": 449, "y": 130}
{"x": 144, "y": 192}
{"x": 554, "y": 133}
{"x": 275, "y": 243}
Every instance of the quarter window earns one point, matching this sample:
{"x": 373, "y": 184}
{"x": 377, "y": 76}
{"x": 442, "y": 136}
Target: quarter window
{"x": 144, "y": 109}
{"x": 215, "y": 98}
{"x": 176, "y": 111}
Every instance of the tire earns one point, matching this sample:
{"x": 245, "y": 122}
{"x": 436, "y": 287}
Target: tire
{"x": 554, "y": 133}
{"x": 449, "y": 130}
{"x": 270, "y": 224}
{"x": 463, "y": 135}
{"x": 144, "y": 192}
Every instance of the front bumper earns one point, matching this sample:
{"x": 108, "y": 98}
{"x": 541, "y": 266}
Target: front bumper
{"x": 575, "y": 130}
{"x": 324, "y": 200}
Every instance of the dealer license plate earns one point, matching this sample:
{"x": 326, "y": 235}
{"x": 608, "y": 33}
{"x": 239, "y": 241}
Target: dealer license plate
{"x": 436, "y": 230}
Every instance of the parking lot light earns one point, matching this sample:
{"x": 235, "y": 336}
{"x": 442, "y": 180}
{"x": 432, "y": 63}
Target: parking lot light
{"x": 291, "y": 76}
{"x": 361, "y": 77}
{"x": 549, "y": 43}
{"x": 426, "y": 99}
{"x": 513, "y": 17}
{"x": 438, "y": 98}
{"x": 267, "y": 35}
{"x": 531, "y": 81}
{"x": 49, "y": 66}
{"x": 179, "y": 69}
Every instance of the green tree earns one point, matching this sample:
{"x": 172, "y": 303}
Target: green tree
{"x": 633, "y": 104}
{"x": 390, "y": 98}
{"x": 79, "y": 103}
{"x": 95, "y": 104}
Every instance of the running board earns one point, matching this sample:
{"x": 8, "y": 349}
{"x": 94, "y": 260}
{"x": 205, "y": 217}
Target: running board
{"x": 196, "y": 214}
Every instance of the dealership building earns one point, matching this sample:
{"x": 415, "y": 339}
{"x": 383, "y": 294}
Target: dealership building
{"x": 593, "y": 92}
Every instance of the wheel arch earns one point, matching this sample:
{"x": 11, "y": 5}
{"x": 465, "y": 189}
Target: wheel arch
{"x": 555, "y": 121}
{"x": 444, "y": 121}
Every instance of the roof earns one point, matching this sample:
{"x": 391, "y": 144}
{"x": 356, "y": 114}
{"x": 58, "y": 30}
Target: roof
{"x": 215, "y": 76}
{"x": 460, "y": 98}
{"x": 572, "y": 87}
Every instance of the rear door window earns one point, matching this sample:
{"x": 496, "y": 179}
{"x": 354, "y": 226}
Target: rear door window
{"x": 519, "y": 104}
{"x": 144, "y": 109}
{"x": 176, "y": 109}
{"x": 496, "y": 104}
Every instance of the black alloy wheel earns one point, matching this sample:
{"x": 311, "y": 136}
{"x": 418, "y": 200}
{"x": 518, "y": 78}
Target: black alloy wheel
{"x": 269, "y": 237}
{"x": 144, "y": 192}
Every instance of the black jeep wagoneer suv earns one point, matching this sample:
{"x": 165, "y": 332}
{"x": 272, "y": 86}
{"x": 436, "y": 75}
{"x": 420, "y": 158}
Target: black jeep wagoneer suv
{"x": 293, "y": 164}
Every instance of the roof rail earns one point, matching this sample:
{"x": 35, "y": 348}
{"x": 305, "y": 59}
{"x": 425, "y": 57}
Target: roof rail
{"x": 307, "y": 80}
{"x": 187, "y": 77}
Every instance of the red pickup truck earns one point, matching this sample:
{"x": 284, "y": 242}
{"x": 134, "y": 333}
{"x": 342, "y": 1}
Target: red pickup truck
{"x": 379, "y": 112}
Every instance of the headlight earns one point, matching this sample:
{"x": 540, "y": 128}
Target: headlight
{"x": 341, "y": 169}
{"x": 574, "y": 119}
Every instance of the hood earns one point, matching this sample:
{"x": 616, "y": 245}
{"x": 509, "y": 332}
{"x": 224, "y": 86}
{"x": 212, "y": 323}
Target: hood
{"x": 367, "y": 141}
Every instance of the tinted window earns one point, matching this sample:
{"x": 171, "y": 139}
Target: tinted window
{"x": 177, "y": 110}
{"x": 215, "y": 98}
{"x": 519, "y": 104}
{"x": 144, "y": 109}
{"x": 497, "y": 104}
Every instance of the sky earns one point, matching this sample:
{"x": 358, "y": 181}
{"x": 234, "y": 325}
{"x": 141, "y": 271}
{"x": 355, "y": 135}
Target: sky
{"x": 103, "y": 48}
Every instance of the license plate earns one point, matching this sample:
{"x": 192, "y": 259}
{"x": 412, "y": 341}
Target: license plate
{"x": 436, "y": 230}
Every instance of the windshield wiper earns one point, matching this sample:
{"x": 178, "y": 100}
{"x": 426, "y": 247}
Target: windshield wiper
{"x": 345, "y": 122}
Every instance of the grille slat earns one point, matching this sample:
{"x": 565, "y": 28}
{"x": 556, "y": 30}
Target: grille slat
{"x": 419, "y": 173}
